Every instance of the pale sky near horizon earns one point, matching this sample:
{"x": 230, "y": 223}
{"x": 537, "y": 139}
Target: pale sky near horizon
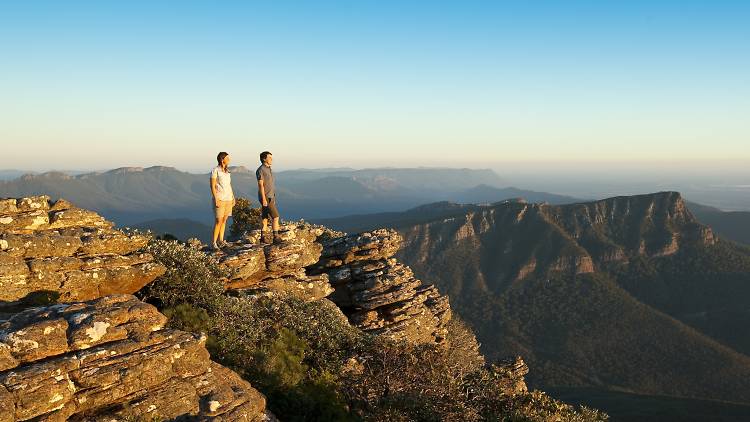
{"x": 94, "y": 85}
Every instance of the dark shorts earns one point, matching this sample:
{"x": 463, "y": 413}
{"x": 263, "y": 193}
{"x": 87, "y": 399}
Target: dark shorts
{"x": 270, "y": 211}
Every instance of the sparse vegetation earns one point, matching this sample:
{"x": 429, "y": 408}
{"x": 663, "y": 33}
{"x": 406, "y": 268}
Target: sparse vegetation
{"x": 314, "y": 366}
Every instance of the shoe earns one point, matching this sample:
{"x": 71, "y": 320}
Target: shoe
{"x": 277, "y": 239}
{"x": 266, "y": 238}
{"x": 214, "y": 247}
{"x": 221, "y": 244}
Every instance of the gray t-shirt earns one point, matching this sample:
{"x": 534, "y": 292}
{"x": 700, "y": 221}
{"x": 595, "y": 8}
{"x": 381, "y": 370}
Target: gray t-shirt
{"x": 265, "y": 174}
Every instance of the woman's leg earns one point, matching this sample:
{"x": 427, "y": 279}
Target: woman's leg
{"x": 217, "y": 229}
{"x": 223, "y": 226}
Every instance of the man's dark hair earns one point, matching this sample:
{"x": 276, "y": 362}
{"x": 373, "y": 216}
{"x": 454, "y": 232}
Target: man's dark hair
{"x": 263, "y": 156}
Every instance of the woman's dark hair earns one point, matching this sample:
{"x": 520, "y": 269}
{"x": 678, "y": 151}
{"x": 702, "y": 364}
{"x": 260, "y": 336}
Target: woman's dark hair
{"x": 220, "y": 158}
{"x": 263, "y": 156}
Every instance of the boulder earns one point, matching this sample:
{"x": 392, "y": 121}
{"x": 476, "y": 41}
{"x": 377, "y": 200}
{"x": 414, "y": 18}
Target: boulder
{"x": 279, "y": 267}
{"x": 111, "y": 359}
{"x": 73, "y": 253}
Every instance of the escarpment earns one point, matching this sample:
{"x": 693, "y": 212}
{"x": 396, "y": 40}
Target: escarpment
{"x": 517, "y": 239}
{"x": 57, "y": 248}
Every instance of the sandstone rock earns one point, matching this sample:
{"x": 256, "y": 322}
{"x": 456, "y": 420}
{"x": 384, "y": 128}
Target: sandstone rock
{"x": 291, "y": 254}
{"x": 33, "y": 203}
{"x": 111, "y": 242}
{"x": 279, "y": 267}
{"x": 379, "y": 294}
{"x": 300, "y": 285}
{"x": 373, "y": 245}
{"x": 110, "y": 359}
{"x": 24, "y": 222}
{"x": 247, "y": 264}
{"x": 73, "y": 252}
{"x": 43, "y": 244}
{"x": 512, "y": 371}
{"x": 75, "y": 217}
{"x": 8, "y": 206}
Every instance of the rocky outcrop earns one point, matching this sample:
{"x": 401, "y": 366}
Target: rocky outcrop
{"x": 512, "y": 372}
{"x": 110, "y": 359}
{"x": 377, "y": 292}
{"x": 280, "y": 267}
{"x": 71, "y": 252}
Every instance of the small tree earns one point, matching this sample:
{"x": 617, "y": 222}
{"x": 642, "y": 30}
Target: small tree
{"x": 244, "y": 217}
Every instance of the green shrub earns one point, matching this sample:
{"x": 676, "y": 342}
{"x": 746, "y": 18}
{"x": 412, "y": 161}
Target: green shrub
{"x": 187, "y": 317}
{"x": 396, "y": 381}
{"x": 290, "y": 349}
{"x": 245, "y": 218}
{"x": 192, "y": 276}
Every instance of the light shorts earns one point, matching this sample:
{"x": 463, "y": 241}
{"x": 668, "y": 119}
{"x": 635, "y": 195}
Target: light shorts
{"x": 223, "y": 210}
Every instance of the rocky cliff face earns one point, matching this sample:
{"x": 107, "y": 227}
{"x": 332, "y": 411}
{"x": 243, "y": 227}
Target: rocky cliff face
{"x": 71, "y": 252}
{"x": 111, "y": 359}
{"x": 650, "y": 225}
{"x": 98, "y": 355}
{"x": 511, "y": 241}
{"x": 376, "y": 292}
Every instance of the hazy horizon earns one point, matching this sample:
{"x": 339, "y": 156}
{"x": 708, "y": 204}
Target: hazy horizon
{"x": 727, "y": 188}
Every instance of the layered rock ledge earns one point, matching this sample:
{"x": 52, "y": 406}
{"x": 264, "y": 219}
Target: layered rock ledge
{"x": 378, "y": 293}
{"x": 74, "y": 253}
{"x": 255, "y": 267}
{"x": 110, "y": 359}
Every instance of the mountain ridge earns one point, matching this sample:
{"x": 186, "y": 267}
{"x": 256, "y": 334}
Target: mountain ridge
{"x": 600, "y": 294}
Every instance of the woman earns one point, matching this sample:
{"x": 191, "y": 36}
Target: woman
{"x": 221, "y": 190}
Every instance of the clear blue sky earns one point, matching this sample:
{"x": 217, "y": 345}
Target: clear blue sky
{"x": 370, "y": 83}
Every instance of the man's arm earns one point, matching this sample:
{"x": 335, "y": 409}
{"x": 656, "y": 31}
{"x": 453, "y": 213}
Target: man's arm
{"x": 262, "y": 190}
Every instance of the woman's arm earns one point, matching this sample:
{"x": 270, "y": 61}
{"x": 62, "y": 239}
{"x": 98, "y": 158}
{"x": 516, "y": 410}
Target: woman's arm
{"x": 213, "y": 191}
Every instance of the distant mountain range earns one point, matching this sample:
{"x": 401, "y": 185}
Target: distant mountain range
{"x": 133, "y": 195}
{"x": 627, "y": 294}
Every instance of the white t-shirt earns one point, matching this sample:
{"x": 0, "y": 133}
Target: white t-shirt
{"x": 223, "y": 184}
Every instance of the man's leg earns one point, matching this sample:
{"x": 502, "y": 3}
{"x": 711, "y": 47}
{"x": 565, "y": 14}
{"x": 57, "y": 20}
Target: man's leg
{"x": 276, "y": 237}
{"x": 264, "y": 225}
{"x": 274, "y": 211}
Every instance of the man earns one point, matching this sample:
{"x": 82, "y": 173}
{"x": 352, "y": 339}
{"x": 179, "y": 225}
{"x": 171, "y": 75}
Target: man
{"x": 267, "y": 197}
